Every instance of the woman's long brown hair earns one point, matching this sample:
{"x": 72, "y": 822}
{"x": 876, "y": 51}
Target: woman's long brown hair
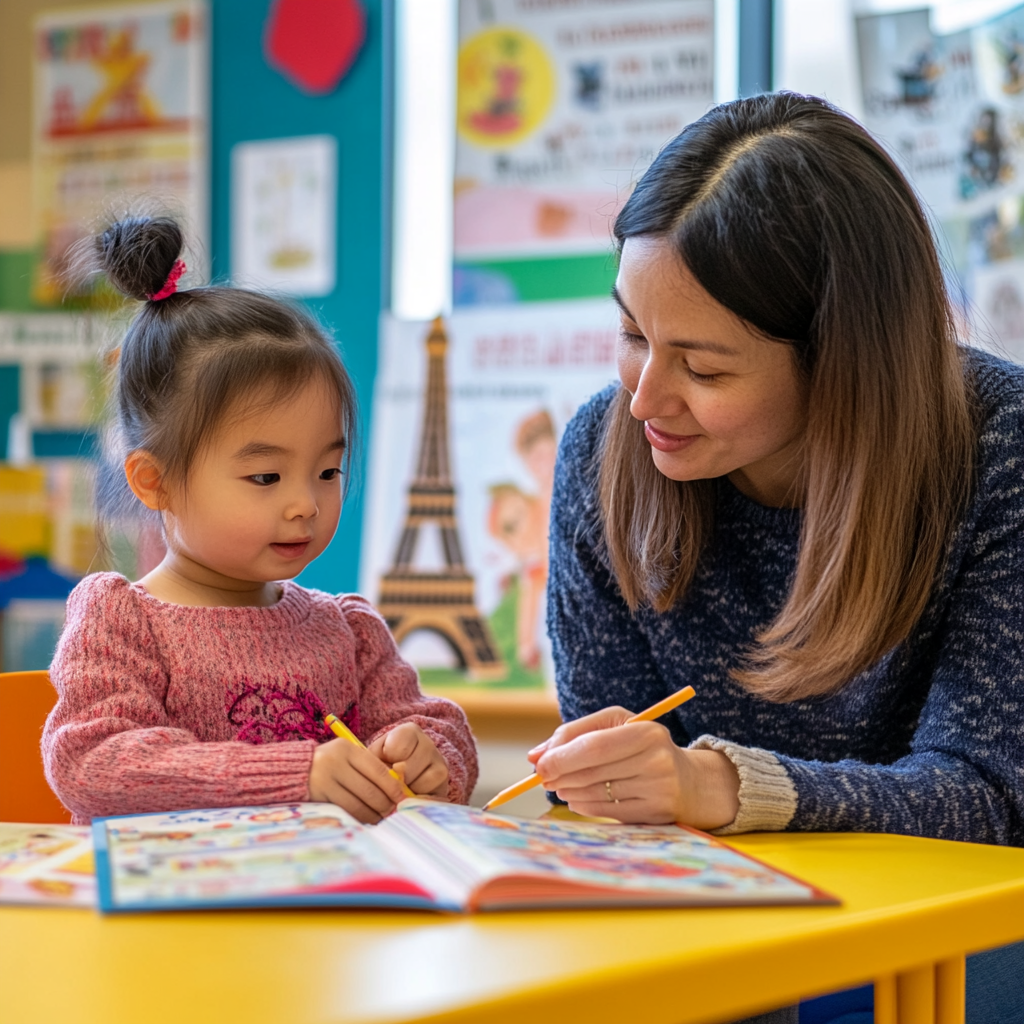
{"x": 791, "y": 216}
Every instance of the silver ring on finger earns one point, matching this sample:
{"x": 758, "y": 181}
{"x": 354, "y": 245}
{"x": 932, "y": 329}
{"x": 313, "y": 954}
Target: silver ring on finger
{"x": 608, "y": 790}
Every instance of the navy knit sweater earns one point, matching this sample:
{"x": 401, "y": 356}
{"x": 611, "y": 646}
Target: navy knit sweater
{"x": 928, "y": 741}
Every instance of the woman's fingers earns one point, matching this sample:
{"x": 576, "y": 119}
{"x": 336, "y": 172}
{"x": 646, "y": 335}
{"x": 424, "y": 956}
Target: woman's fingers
{"x": 599, "y": 749}
{"x": 644, "y": 797}
{"x": 606, "y": 718}
{"x": 597, "y": 775}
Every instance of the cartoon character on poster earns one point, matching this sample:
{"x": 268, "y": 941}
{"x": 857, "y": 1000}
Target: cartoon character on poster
{"x": 506, "y": 85}
{"x": 986, "y": 158}
{"x": 518, "y": 520}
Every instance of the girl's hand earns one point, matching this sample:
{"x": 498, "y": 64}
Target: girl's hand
{"x": 354, "y": 779}
{"x": 652, "y": 781}
{"x": 411, "y": 752}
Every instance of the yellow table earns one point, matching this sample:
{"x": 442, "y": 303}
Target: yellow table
{"x": 909, "y": 904}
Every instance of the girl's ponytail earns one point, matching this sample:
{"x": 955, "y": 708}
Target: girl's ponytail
{"x": 138, "y": 254}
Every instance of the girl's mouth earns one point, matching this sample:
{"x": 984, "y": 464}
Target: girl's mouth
{"x": 668, "y": 442}
{"x": 293, "y": 550}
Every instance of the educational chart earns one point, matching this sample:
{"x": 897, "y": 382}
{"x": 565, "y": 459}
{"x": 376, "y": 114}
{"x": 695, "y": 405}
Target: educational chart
{"x": 283, "y": 200}
{"x": 561, "y": 107}
{"x": 427, "y": 855}
{"x": 514, "y": 376}
{"x": 951, "y": 110}
{"x": 120, "y": 117}
{"x": 48, "y": 864}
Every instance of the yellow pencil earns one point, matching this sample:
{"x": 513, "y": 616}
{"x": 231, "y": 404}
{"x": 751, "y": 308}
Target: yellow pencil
{"x": 339, "y": 728}
{"x": 653, "y": 712}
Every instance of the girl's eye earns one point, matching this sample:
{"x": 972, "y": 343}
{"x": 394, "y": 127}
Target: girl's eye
{"x": 330, "y": 474}
{"x": 265, "y": 479}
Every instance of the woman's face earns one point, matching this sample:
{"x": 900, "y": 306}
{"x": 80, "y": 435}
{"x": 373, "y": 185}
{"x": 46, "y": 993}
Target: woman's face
{"x": 716, "y": 398}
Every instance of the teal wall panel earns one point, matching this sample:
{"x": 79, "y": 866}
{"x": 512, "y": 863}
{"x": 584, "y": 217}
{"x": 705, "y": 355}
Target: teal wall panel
{"x": 10, "y": 387}
{"x": 251, "y": 101}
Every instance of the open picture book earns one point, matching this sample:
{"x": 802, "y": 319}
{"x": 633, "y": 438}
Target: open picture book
{"x": 426, "y": 855}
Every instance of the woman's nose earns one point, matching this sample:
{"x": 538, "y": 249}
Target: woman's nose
{"x": 655, "y": 395}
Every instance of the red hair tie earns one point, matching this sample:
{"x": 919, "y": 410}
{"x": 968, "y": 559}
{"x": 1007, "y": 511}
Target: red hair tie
{"x": 171, "y": 284}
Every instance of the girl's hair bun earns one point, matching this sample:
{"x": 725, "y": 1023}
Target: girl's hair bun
{"x": 138, "y": 253}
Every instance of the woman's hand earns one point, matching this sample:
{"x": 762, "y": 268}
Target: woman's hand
{"x": 604, "y": 768}
{"x": 354, "y": 779}
{"x": 411, "y": 752}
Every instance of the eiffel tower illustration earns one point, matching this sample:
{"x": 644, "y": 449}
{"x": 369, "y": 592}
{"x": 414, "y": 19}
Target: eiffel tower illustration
{"x": 443, "y": 602}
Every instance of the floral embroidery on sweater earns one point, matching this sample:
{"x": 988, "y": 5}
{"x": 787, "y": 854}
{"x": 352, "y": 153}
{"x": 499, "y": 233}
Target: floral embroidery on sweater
{"x": 272, "y": 714}
{"x": 276, "y": 714}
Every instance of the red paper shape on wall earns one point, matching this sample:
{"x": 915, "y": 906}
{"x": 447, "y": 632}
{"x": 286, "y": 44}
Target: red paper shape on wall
{"x": 314, "y": 42}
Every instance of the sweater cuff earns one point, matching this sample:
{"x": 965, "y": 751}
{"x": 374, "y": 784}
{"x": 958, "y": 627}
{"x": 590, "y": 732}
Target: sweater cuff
{"x": 767, "y": 795}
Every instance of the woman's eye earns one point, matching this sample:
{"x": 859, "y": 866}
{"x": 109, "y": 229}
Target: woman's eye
{"x": 703, "y": 378}
{"x": 330, "y": 474}
{"x": 631, "y": 337}
{"x": 265, "y": 479}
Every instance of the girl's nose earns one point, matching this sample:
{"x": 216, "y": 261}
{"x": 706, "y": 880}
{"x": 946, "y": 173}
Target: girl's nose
{"x": 302, "y": 505}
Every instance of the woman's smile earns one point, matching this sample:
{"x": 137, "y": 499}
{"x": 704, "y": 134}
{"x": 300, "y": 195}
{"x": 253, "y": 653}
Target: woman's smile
{"x": 666, "y": 442}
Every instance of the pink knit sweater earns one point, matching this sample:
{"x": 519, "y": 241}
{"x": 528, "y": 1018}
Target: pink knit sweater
{"x": 165, "y": 706}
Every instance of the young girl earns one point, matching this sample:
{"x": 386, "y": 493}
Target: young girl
{"x": 206, "y": 682}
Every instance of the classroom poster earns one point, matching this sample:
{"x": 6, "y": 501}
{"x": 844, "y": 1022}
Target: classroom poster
{"x": 951, "y": 111}
{"x": 921, "y": 100}
{"x": 516, "y": 374}
{"x": 998, "y": 294}
{"x": 283, "y": 200}
{"x": 561, "y": 107}
{"x": 120, "y": 117}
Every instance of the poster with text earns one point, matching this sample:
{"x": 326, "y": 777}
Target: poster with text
{"x": 561, "y": 107}
{"x": 120, "y": 121}
{"x": 921, "y": 100}
{"x": 951, "y": 110}
{"x": 515, "y": 376}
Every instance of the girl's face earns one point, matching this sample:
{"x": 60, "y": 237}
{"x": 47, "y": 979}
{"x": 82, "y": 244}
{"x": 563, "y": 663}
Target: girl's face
{"x": 264, "y": 496}
{"x": 716, "y": 399}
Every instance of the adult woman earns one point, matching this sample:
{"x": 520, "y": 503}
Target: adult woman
{"x": 805, "y": 499}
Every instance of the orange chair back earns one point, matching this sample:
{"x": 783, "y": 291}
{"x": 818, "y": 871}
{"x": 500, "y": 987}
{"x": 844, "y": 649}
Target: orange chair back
{"x": 26, "y": 698}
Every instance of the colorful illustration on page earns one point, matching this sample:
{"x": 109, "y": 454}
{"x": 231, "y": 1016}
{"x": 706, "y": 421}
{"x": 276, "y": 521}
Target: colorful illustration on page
{"x": 660, "y": 858}
{"x": 242, "y": 854}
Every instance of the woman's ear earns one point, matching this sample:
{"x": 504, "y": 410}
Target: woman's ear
{"x": 145, "y": 478}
